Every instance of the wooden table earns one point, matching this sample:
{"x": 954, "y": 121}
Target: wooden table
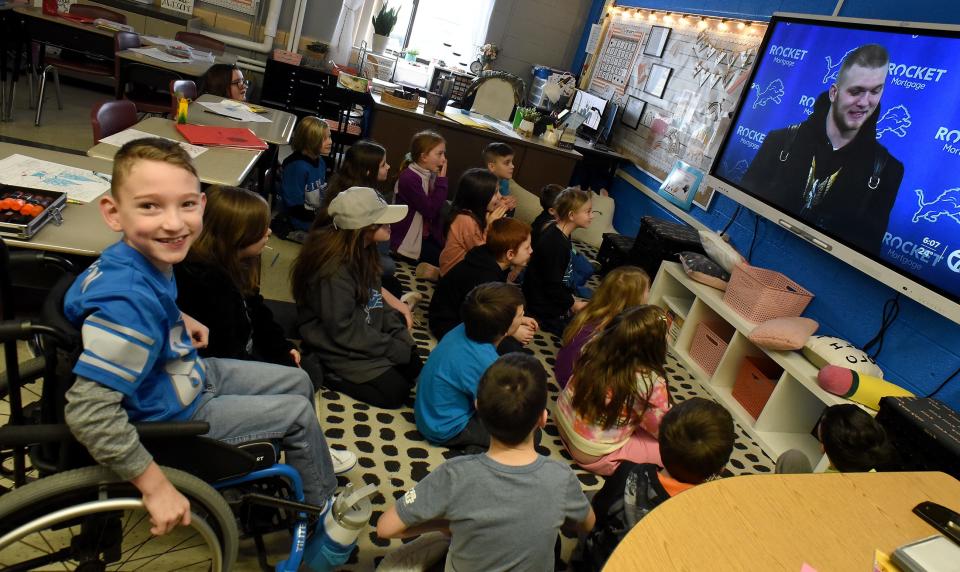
{"x": 218, "y": 166}
{"x": 779, "y": 522}
{"x": 536, "y": 164}
{"x": 83, "y": 231}
{"x": 277, "y": 132}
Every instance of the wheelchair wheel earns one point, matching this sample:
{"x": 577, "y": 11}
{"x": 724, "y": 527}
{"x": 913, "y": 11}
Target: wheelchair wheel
{"x": 90, "y": 520}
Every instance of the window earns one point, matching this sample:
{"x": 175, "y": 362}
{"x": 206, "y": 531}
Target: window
{"x": 439, "y": 29}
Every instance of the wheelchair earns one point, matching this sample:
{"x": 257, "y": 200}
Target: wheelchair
{"x": 63, "y": 511}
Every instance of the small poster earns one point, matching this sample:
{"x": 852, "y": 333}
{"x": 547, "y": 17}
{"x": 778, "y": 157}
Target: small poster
{"x": 184, "y": 6}
{"x": 681, "y": 184}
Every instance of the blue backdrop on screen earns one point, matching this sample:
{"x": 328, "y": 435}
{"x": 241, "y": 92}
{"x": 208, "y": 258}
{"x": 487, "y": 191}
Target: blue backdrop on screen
{"x": 919, "y": 124}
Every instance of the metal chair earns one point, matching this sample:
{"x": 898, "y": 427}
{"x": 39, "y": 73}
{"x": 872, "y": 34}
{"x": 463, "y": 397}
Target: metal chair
{"x": 185, "y": 87}
{"x": 201, "y": 42}
{"x": 111, "y": 117}
{"x": 74, "y": 61}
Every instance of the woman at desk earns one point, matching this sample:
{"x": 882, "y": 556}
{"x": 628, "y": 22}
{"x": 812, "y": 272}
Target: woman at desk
{"x": 225, "y": 80}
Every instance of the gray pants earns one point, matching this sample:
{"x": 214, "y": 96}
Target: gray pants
{"x": 250, "y": 401}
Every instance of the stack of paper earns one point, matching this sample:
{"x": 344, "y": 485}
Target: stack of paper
{"x": 127, "y": 135}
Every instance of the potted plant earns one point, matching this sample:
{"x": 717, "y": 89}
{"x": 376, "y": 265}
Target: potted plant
{"x": 529, "y": 116}
{"x": 411, "y": 55}
{"x": 488, "y": 53}
{"x": 383, "y": 24}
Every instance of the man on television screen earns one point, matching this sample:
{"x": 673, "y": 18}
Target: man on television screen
{"x": 829, "y": 170}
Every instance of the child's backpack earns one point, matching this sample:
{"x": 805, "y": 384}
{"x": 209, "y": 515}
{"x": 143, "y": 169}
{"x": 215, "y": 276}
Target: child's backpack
{"x": 626, "y": 497}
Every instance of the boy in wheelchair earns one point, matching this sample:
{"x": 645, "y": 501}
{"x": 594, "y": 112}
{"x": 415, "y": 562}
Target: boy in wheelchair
{"x": 139, "y": 359}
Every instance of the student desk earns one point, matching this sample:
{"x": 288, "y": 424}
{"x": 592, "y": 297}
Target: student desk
{"x": 277, "y": 132}
{"x": 218, "y": 166}
{"x": 536, "y": 164}
{"x": 779, "y": 522}
{"x": 194, "y": 69}
{"x": 30, "y": 24}
{"x": 83, "y": 231}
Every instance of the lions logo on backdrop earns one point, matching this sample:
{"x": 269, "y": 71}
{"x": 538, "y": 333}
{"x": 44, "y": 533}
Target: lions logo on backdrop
{"x": 773, "y": 92}
{"x": 947, "y": 204}
{"x": 895, "y": 120}
{"x": 833, "y": 68}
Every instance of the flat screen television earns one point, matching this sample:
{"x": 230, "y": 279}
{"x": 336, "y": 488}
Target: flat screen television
{"x": 589, "y": 106}
{"x": 849, "y": 136}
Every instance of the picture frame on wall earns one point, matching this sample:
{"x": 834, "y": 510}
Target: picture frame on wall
{"x": 656, "y": 41}
{"x": 681, "y": 185}
{"x": 657, "y": 80}
{"x": 633, "y": 112}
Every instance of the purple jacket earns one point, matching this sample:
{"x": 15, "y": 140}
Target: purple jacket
{"x": 568, "y": 354}
{"x": 412, "y": 190}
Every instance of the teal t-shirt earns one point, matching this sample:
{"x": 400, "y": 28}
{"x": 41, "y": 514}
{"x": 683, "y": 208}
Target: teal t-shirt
{"x": 447, "y": 389}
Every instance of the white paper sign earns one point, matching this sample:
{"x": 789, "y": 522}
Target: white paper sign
{"x": 594, "y": 39}
{"x": 185, "y": 6}
{"x": 79, "y": 184}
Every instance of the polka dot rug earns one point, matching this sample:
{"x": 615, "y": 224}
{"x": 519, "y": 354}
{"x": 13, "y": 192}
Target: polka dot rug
{"x": 393, "y": 455}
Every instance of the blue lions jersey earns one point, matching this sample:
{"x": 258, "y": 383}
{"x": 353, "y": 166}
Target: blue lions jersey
{"x": 134, "y": 338}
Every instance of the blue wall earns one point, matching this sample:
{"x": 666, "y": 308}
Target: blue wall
{"x": 921, "y": 348}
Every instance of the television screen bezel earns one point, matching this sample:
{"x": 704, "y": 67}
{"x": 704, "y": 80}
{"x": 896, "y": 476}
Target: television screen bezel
{"x": 917, "y": 289}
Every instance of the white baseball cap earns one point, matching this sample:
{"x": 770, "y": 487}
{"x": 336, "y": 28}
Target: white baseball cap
{"x": 360, "y": 207}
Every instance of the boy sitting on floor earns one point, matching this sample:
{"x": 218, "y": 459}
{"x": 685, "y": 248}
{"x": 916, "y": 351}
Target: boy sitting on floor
{"x": 498, "y": 157}
{"x": 696, "y": 439}
{"x": 447, "y": 390}
{"x": 502, "y": 509}
{"x": 140, "y": 362}
{"x": 507, "y": 249}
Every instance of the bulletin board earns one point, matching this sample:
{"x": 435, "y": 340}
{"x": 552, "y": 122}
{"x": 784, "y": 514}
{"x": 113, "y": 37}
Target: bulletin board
{"x": 704, "y": 71}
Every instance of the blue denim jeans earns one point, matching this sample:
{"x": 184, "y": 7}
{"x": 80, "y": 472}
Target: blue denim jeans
{"x": 248, "y": 401}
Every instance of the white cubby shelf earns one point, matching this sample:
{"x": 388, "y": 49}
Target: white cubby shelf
{"x": 788, "y": 419}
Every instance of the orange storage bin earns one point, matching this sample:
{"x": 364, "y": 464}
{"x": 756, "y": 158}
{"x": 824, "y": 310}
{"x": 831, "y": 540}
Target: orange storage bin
{"x": 710, "y": 340}
{"x": 755, "y": 382}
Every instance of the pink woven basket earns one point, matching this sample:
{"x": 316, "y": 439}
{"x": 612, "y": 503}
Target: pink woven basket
{"x": 759, "y": 294}
{"x": 710, "y": 340}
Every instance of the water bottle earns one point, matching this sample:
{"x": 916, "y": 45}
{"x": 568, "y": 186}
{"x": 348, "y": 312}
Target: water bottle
{"x": 331, "y": 546}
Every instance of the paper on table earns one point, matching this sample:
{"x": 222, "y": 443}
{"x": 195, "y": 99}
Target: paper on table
{"x": 158, "y": 41}
{"x": 79, "y": 184}
{"x": 158, "y": 54}
{"x": 235, "y": 111}
{"x": 127, "y": 135}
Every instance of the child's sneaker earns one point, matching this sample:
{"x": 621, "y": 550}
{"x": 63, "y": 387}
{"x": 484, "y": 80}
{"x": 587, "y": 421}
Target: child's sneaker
{"x": 428, "y": 271}
{"x": 412, "y": 299}
{"x": 343, "y": 461}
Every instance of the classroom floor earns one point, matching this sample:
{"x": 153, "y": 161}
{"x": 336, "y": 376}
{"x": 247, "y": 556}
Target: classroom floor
{"x": 391, "y": 452}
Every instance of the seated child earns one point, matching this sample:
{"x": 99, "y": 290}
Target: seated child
{"x": 610, "y": 411}
{"x": 447, "y": 390}
{"x": 624, "y": 287}
{"x": 548, "y": 283}
{"x": 548, "y": 196}
{"x": 225, "y": 80}
{"x": 507, "y": 248}
{"x": 304, "y": 178}
{"x": 502, "y": 509}
{"x": 476, "y": 204}
{"x": 696, "y": 439}
{"x": 853, "y": 441}
{"x": 582, "y": 267}
{"x": 422, "y": 186}
{"x": 219, "y": 281}
{"x": 498, "y": 157}
{"x": 353, "y": 342}
{"x": 139, "y": 360}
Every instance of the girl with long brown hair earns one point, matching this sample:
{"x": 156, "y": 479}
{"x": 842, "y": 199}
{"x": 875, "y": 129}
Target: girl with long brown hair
{"x": 219, "y": 281}
{"x": 353, "y": 342}
{"x": 623, "y": 287}
{"x": 612, "y": 407}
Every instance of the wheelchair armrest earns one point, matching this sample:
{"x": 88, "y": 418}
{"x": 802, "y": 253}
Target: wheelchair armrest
{"x": 166, "y": 429}
{"x": 13, "y": 330}
{"x": 34, "y": 258}
{"x": 26, "y": 435}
